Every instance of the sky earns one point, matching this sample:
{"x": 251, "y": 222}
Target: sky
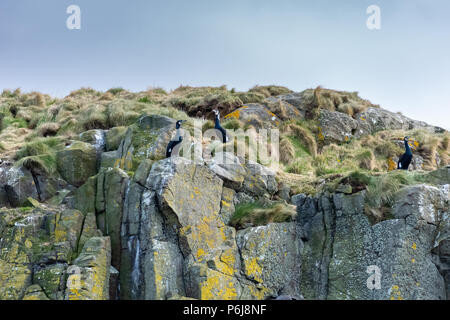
{"x": 137, "y": 44}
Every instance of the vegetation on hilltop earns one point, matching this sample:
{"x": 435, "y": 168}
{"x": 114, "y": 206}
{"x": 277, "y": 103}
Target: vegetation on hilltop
{"x": 34, "y": 126}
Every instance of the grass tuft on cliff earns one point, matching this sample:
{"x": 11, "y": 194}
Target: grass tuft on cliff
{"x": 257, "y": 214}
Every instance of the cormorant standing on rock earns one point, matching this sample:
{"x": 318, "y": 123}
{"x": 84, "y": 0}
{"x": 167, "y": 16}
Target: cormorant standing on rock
{"x": 405, "y": 159}
{"x": 175, "y": 141}
{"x": 219, "y": 127}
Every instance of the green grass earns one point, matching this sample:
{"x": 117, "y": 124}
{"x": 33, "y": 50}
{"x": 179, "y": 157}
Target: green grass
{"x": 300, "y": 149}
{"x": 39, "y": 155}
{"x": 115, "y": 91}
{"x": 16, "y": 122}
{"x": 146, "y": 100}
{"x": 258, "y": 214}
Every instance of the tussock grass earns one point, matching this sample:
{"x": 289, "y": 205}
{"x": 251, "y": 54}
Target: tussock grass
{"x": 303, "y": 135}
{"x": 270, "y": 91}
{"x": 287, "y": 151}
{"x": 333, "y": 100}
{"x": 256, "y": 214}
{"x": 49, "y": 129}
{"x": 39, "y": 156}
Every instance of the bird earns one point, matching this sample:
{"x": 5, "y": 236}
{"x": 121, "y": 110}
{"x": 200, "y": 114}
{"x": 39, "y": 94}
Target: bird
{"x": 217, "y": 126}
{"x": 405, "y": 159}
{"x": 175, "y": 141}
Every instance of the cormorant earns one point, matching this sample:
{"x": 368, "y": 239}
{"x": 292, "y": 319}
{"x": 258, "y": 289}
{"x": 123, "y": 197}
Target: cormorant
{"x": 175, "y": 141}
{"x": 219, "y": 127}
{"x": 405, "y": 159}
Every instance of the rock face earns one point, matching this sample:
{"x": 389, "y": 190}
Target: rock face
{"x": 38, "y": 249}
{"x": 135, "y": 226}
{"x": 170, "y": 239}
{"x": 274, "y": 263}
{"x": 339, "y": 127}
{"x": 77, "y": 162}
{"x": 17, "y": 184}
{"x": 255, "y": 114}
{"x": 342, "y": 250}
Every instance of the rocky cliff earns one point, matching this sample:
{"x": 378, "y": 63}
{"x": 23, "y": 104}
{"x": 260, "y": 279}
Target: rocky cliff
{"x": 98, "y": 213}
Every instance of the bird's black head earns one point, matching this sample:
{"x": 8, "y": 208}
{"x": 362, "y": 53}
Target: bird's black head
{"x": 216, "y": 113}
{"x": 179, "y": 122}
{"x": 406, "y": 138}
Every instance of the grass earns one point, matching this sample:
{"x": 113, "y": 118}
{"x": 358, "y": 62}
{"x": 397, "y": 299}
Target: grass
{"x": 39, "y": 156}
{"x": 29, "y": 117}
{"x": 380, "y": 189}
{"x": 256, "y": 214}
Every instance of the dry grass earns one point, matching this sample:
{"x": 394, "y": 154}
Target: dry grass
{"x": 287, "y": 151}
{"x": 49, "y": 129}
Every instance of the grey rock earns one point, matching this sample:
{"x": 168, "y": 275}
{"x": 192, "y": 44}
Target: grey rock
{"x": 340, "y": 244}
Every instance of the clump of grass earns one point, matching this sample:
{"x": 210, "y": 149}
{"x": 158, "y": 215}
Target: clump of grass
{"x": 381, "y": 190}
{"x": 208, "y": 124}
{"x": 39, "y": 156}
{"x": 256, "y": 214}
{"x": 250, "y": 97}
{"x": 94, "y": 117}
{"x": 83, "y": 92}
{"x": 270, "y": 91}
{"x": 232, "y": 124}
{"x": 44, "y": 164}
{"x": 357, "y": 179}
{"x": 278, "y": 108}
{"x": 40, "y": 146}
{"x": 119, "y": 114}
{"x": 333, "y": 100}
{"x": 366, "y": 160}
{"x": 287, "y": 151}
{"x": 303, "y": 135}
{"x": 146, "y": 100}
{"x": 49, "y": 129}
{"x": 115, "y": 91}
{"x": 300, "y": 166}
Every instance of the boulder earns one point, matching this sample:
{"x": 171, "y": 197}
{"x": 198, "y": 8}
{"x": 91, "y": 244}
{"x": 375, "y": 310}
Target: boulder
{"x": 229, "y": 168}
{"x": 146, "y": 139}
{"x": 89, "y": 274}
{"x": 273, "y": 263}
{"x": 256, "y": 115}
{"x": 335, "y": 127}
{"x": 96, "y": 137}
{"x": 377, "y": 119}
{"x": 77, "y": 162}
{"x": 113, "y": 138}
{"x": 294, "y": 105}
{"x": 16, "y": 185}
{"x": 259, "y": 180}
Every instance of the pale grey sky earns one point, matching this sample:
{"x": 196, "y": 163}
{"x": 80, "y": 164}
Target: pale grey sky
{"x": 135, "y": 44}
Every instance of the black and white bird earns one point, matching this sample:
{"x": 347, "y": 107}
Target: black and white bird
{"x": 175, "y": 141}
{"x": 405, "y": 159}
{"x": 217, "y": 126}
